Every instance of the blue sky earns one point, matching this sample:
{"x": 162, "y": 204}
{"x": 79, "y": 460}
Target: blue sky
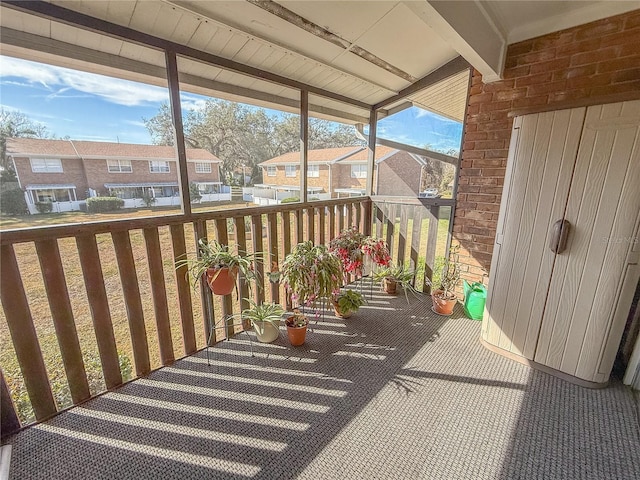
{"x": 86, "y": 106}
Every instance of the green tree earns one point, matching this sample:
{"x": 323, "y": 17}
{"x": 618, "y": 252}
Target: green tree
{"x": 239, "y": 134}
{"x": 160, "y": 126}
{"x": 15, "y": 124}
{"x": 436, "y": 173}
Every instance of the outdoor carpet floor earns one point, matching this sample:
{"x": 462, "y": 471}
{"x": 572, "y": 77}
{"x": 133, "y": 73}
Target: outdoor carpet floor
{"x": 394, "y": 392}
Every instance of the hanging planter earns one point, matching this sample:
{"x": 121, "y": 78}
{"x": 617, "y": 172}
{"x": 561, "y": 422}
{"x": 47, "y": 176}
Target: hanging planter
{"x": 222, "y": 281}
{"x": 219, "y": 267}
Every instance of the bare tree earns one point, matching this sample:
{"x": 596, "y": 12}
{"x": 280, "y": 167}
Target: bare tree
{"x": 15, "y": 124}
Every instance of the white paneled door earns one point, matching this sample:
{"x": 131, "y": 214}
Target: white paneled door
{"x": 565, "y": 262}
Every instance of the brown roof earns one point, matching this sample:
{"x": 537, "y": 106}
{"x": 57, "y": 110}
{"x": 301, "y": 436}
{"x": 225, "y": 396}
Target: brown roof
{"x": 328, "y": 155}
{"x": 78, "y": 148}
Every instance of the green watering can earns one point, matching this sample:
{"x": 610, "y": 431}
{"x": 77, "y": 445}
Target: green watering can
{"x": 475, "y": 296}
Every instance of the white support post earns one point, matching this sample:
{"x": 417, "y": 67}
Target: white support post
{"x": 304, "y": 143}
{"x": 371, "y": 159}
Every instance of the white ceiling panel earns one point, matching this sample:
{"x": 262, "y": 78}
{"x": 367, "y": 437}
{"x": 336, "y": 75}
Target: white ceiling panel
{"x": 447, "y": 97}
{"x": 521, "y": 20}
{"x": 421, "y": 51}
{"x": 18, "y": 21}
{"x": 350, "y": 20}
{"x": 120, "y": 12}
{"x": 185, "y": 29}
{"x": 144, "y": 16}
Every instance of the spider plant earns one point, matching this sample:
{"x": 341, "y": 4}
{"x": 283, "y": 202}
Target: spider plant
{"x": 397, "y": 275}
{"x": 264, "y": 317}
{"x": 213, "y": 257}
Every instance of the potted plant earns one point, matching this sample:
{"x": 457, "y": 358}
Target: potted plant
{"x": 377, "y": 250}
{"x": 444, "y": 296}
{"x": 297, "y": 328}
{"x": 347, "y": 303}
{"x": 348, "y": 247}
{"x": 352, "y": 247}
{"x": 265, "y": 320}
{"x": 310, "y": 273}
{"x": 219, "y": 266}
{"x": 393, "y": 276}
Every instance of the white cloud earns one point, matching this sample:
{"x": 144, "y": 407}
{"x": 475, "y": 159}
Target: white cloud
{"x": 135, "y": 123}
{"x": 17, "y": 84}
{"x": 188, "y": 102}
{"x": 421, "y": 112}
{"x": 58, "y": 80}
{"x": 93, "y": 138}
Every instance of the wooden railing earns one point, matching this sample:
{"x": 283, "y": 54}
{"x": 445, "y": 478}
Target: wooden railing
{"x": 416, "y": 230}
{"x": 122, "y": 320}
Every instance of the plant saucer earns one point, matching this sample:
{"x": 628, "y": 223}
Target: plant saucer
{"x": 433, "y": 309}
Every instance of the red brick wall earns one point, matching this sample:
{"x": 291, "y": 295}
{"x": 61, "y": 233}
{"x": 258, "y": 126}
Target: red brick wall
{"x": 341, "y": 177}
{"x": 95, "y": 174}
{"x": 400, "y": 175}
{"x": 281, "y": 177}
{"x": 599, "y": 58}
{"x": 72, "y": 172}
{"x": 98, "y": 175}
{"x": 214, "y": 176}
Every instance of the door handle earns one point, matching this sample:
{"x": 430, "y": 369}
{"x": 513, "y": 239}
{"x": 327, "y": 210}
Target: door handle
{"x": 558, "y": 242}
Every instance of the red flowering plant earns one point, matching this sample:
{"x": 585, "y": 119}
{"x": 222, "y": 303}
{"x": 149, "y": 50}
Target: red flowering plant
{"x": 352, "y": 246}
{"x": 378, "y": 251}
{"x": 348, "y": 247}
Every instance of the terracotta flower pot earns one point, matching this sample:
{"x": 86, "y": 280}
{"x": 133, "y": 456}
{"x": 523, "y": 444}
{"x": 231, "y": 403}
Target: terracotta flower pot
{"x": 389, "y": 285}
{"x": 222, "y": 280}
{"x": 336, "y": 309}
{"x": 442, "y": 306}
{"x": 297, "y": 335}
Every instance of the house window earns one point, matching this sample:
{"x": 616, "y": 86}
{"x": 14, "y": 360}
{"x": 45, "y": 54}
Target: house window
{"x": 358, "y": 171}
{"x": 157, "y": 166}
{"x": 49, "y": 165}
{"x": 203, "y": 167}
{"x": 52, "y": 195}
{"x": 290, "y": 170}
{"x": 313, "y": 171}
{"x": 119, "y": 166}
{"x": 271, "y": 171}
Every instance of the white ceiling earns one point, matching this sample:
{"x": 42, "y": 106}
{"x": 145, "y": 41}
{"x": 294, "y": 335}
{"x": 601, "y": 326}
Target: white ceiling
{"x": 521, "y": 20}
{"x": 364, "y": 50}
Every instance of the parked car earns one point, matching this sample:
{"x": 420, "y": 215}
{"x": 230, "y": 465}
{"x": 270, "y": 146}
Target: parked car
{"x": 429, "y": 193}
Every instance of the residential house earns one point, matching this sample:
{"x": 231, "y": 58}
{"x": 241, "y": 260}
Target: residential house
{"x": 67, "y": 172}
{"x": 342, "y": 172}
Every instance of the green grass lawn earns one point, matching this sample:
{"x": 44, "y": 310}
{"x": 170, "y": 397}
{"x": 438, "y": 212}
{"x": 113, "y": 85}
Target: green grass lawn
{"x": 47, "y": 219}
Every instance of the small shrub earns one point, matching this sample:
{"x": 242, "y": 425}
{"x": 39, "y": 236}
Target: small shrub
{"x": 290, "y": 200}
{"x": 12, "y": 202}
{"x": 44, "y": 207}
{"x": 194, "y": 192}
{"x": 148, "y": 199}
{"x": 104, "y": 204}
